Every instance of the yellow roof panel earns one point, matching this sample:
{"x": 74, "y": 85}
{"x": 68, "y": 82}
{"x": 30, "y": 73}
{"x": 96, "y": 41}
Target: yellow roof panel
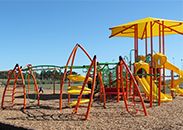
{"x": 127, "y": 30}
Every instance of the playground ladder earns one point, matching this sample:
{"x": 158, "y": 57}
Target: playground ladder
{"x": 13, "y": 86}
{"x": 131, "y": 94}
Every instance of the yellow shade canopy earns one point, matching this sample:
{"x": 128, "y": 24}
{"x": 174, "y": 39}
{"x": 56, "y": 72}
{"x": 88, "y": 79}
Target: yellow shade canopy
{"x": 127, "y": 30}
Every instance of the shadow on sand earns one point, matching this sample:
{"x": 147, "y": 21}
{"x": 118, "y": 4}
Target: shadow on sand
{"x": 38, "y": 115}
{"x": 11, "y": 127}
{"x": 47, "y": 96}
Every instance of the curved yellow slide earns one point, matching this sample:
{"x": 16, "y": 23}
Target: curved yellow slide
{"x": 161, "y": 60}
{"x": 145, "y": 83}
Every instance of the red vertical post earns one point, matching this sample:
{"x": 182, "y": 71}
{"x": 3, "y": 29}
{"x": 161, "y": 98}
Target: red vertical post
{"x": 163, "y": 50}
{"x": 130, "y": 87}
{"x": 159, "y": 38}
{"x": 62, "y": 79}
{"x": 159, "y": 69}
{"x": 146, "y": 51}
{"x": 72, "y": 62}
{"x": 172, "y": 83}
{"x": 151, "y": 66}
{"x": 159, "y": 87}
{"x": 85, "y": 82}
{"x": 136, "y": 41}
{"x": 163, "y": 37}
{"x": 93, "y": 88}
{"x": 23, "y": 82}
{"x": 102, "y": 87}
{"x": 127, "y": 84}
{"x": 121, "y": 65}
{"x": 119, "y": 77}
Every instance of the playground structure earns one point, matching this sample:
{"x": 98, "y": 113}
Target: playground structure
{"x": 126, "y": 82}
{"x": 95, "y": 72}
{"x": 82, "y": 89}
{"x": 16, "y": 85}
{"x": 155, "y": 70}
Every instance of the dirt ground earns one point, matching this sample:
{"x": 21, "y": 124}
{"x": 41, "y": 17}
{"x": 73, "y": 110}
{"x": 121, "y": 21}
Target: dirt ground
{"x": 47, "y": 117}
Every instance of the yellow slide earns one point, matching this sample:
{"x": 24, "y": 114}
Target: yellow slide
{"x": 161, "y": 60}
{"x": 145, "y": 83}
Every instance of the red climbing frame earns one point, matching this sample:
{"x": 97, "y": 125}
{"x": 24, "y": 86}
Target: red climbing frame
{"x": 131, "y": 92}
{"x": 93, "y": 66}
{"x": 71, "y": 57}
{"x": 16, "y": 76}
{"x": 13, "y": 75}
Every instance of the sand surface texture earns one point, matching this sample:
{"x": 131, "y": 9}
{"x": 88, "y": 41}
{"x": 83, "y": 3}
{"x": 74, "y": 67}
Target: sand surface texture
{"x": 168, "y": 116}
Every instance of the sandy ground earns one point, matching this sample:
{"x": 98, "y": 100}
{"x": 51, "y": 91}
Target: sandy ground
{"x": 47, "y": 117}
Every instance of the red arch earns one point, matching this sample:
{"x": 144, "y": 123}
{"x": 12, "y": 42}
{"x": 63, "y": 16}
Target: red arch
{"x": 71, "y": 58}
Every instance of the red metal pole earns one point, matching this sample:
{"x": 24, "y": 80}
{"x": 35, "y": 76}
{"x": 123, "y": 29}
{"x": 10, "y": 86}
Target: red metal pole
{"x": 93, "y": 88}
{"x": 85, "y": 52}
{"x": 7, "y": 85}
{"x": 72, "y": 62}
{"x": 163, "y": 44}
{"x": 73, "y": 58}
{"x": 23, "y": 82}
{"x": 130, "y": 88}
{"x": 102, "y": 87}
{"x": 159, "y": 38}
{"x": 136, "y": 41}
{"x": 84, "y": 84}
{"x": 119, "y": 78}
{"x": 172, "y": 82}
{"x": 126, "y": 85}
{"x": 135, "y": 85}
{"x": 159, "y": 69}
{"x": 159, "y": 87}
{"x": 135, "y": 48}
{"x": 151, "y": 67}
{"x": 62, "y": 80}
{"x": 146, "y": 50}
{"x": 93, "y": 64}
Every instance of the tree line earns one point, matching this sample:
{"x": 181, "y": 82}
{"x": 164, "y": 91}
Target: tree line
{"x": 43, "y": 75}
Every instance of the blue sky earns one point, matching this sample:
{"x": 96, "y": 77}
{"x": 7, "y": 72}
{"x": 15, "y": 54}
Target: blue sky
{"x": 45, "y": 31}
